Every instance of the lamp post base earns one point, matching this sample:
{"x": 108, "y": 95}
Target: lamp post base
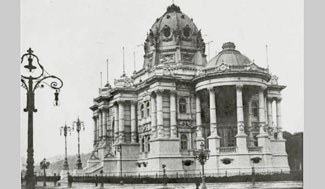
{"x": 203, "y": 183}
{"x": 79, "y": 164}
{"x": 65, "y": 164}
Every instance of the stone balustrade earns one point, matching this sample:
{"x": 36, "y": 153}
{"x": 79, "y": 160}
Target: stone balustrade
{"x": 255, "y": 149}
{"x": 231, "y": 149}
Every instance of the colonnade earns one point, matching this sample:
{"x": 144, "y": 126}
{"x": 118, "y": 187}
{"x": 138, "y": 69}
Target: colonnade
{"x": 240, "y": 114}
{"x": 117, "y": 124}
{"x": 157, "y": 120}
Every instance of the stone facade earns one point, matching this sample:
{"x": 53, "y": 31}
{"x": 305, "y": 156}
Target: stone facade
{"x": 163, "y": 112}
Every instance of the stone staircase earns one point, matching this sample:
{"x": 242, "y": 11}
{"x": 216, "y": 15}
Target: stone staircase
{"x": 93, "y": 169}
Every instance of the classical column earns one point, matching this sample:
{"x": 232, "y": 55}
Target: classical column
{"x": 213, "y": 113}
{"x": 261, "y": 109}
{"x": 173, "y": 123}
{"x": 133, "y": 123}
{"x": 95, "y": 129}
{"x": 270, "y": 113}
{"x": 160, "y": 120}
{"x": 105, "y": 116}
{"x": 262, "y": 137}
{"x": 121, "y": 121}
{"x": 240, "y": 112}
{"x": 116, "y": 125}
{"x": 265, "y": 111}
{"x": 241, "y": 141}
{"x": 278, "y": 118}
{"x": 199, "y": 130}
{"x": 100, "y": 119}
{"x": 250, "y": 127}
{"x": 153, "y": 116}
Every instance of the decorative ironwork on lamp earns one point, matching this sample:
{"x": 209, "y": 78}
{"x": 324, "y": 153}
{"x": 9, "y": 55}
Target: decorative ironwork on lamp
{"x": 35, "y": 76}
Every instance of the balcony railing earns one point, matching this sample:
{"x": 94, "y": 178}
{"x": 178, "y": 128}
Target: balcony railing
{"x": 255, "y": 149}
{"x": 231, "y": 149}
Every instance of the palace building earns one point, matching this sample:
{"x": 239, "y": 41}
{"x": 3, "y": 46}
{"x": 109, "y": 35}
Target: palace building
{"x": 164, "y": 111}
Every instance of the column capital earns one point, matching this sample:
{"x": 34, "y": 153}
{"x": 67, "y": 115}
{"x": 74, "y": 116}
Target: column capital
{"x": 262, "y": 88}
{"x": 173, "y": 92}
{"x": 278, "y": 99}
{"x": 103, "y": 108}
{"x": 153, "y": 94}
{"x": 239, "y": 86}
{"x": 159, "y": 91}
{"x": 210, "y": 89}
{"x": 120, "y": 102}
{"x": 133, "y": 102}
{"x": 270, "y": 98}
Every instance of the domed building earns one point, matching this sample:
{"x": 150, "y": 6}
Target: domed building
{"x": 178, "y": 101}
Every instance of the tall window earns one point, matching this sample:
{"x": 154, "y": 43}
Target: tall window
{"x": 142, "y": 110}
{"x": 148, "y": 109}
{"x": 183, "y": 142}
{"x": 148, "y": 139}
{"x": 142, "y": 144}
{"x": 255, "y": 109}
{"x": 182, "y": 105}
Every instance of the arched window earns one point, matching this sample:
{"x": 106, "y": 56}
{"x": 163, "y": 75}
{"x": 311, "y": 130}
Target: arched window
{"x": 142, "y": 110}
{"x": 148, "y": 109}
{"x": 182, "y": 105}
{"x": 255, "y": 109}
{"x": 183, "y": 142}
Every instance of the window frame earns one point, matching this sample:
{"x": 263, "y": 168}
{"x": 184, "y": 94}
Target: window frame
{"x": 182, "y": 106}
{"x": 184, "y": 142}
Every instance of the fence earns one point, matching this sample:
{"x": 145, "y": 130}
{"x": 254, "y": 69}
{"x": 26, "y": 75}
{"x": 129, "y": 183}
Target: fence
{"x": 191, "y": 178}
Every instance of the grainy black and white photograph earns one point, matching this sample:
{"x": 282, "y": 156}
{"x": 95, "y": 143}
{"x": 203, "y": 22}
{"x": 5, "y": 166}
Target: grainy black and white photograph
{"x": 174, "y": 94}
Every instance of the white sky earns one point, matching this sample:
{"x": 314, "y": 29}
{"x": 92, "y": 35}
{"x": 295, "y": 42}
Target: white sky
{"x": 74, "y": 38}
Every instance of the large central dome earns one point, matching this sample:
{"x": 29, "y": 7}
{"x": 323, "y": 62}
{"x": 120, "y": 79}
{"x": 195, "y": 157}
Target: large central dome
{"x": 174, "y": 39}
{"x": 174, "y": 20}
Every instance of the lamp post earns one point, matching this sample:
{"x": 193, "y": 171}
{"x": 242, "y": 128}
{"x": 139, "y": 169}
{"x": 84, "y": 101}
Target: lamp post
{"x": 119, "y": 149}
{"x": 202, "y": 155}
{"x": 44, "y": 165}
{"x": 65, "y": 130}
{"x": 164, "y": 174}
{"x": 35, "y": 77}
{"x": 101, "y": 179}
{"x": 79, "y": 125}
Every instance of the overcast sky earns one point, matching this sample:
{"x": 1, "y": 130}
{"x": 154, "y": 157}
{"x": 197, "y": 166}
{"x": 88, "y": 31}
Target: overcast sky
{"x": 74, "y": 38}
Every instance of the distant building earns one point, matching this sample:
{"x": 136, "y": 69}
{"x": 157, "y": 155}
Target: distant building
{"x": 177, "y": 100}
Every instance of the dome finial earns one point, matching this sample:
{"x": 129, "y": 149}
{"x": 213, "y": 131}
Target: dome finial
{"x": 228, "y": 46}
{"x": 173, "y": 8}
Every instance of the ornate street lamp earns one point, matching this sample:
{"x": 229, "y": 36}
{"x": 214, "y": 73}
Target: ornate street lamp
{"x": 78, "y": 125}
{"x": 44, "y": 165}
{"x": 35, "y": 76}
{"x": 65, "y": 130}
{"x": 202, "y": 155}
{"x": 119, "y": 149}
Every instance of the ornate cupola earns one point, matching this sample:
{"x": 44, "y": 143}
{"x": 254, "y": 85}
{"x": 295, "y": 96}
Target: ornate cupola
{"x": 174, "y": 40}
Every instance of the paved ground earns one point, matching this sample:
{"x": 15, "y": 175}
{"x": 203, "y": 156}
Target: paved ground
{"x": 239, "y": 185}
